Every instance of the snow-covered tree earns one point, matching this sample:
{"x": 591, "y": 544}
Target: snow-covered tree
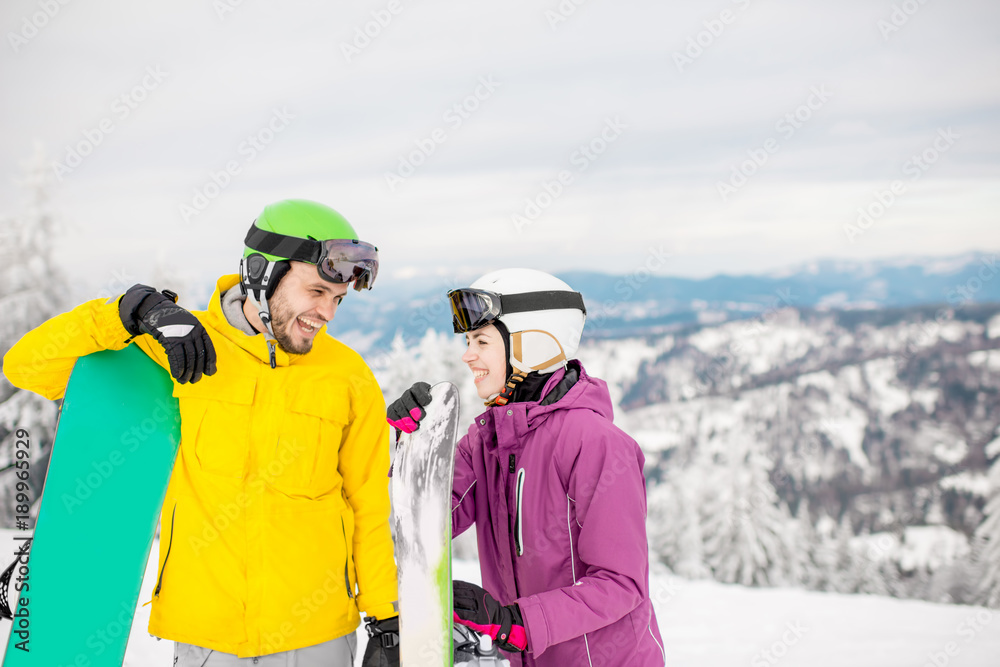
{"x": 872, "y": 569}
{"x": 802, "y": 546}
{"x": 988, "y": 535}
{"x": 32, "y": 289}
{"x": 745, "y": 526}
{"x": 674, "y": 508}
{"x": 841, "y": 580}
{"x": 825, "y": 555}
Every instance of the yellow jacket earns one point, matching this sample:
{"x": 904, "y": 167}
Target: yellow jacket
{"x": 278, "y": 505}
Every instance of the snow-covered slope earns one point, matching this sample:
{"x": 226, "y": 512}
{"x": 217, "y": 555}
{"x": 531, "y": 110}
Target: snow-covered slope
{"x": 706, "y": 624}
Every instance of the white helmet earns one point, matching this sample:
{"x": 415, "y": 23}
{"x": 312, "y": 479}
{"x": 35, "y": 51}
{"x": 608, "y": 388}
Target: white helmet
{"x": 544, "y": 318}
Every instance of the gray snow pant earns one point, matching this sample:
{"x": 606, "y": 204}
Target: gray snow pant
{"x": 334, "y": 653}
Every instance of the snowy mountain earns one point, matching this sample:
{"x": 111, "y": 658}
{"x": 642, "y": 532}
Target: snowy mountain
{"x": 813, "y": 427}
{"x": 848, "y": 403}
{"x": 638, "y": 303}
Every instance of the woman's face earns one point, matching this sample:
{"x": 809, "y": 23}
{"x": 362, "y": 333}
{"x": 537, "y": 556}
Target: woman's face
{"x": 487, "y": 359}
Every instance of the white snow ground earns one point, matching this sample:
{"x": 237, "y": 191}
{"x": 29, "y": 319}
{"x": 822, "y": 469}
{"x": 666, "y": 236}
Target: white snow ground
{"x": 706, "y": 624}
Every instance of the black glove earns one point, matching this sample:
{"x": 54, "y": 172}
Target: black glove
{"x": 383, "y": 643}
{"x": 143, "y": 310}
{"x": 476, "y": 609}
{"x": 406, "y": 411}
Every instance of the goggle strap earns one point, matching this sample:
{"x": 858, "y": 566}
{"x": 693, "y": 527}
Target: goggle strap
{"x": 292, "y": 247}
{"x": 549, "y": 300}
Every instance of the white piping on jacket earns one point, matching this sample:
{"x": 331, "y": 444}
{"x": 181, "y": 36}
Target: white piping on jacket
{"x": 518, "y": 524}
{"x": 577, "y": 521}
{"x": 662, "y": 652}
{"x": 572, "y": 563}
{"x": 459, "y": 503}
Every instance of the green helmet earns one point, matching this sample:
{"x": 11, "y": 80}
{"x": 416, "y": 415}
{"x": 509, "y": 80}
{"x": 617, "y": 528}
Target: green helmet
{"x": 303, "y": 219}
{"x": 304, "y": 231}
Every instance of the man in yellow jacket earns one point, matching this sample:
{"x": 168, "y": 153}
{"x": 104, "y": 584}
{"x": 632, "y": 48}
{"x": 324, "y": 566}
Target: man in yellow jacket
{"x": 275, "y": 529}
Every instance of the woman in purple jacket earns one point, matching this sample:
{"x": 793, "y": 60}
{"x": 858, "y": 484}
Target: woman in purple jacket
{"x": 555, "y": 489}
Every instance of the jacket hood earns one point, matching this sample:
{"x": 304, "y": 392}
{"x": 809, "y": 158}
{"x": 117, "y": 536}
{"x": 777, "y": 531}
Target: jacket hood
{"x": 588, "y": 393}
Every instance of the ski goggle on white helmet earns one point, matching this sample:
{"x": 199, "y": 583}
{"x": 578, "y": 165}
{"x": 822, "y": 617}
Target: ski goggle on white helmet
{"x": 544, "y": 316}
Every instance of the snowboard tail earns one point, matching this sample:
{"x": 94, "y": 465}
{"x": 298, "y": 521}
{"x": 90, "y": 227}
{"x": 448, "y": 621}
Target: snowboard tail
{"x": 116, "y": 441}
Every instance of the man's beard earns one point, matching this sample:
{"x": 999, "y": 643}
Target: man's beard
{"x": 281, "y": 315}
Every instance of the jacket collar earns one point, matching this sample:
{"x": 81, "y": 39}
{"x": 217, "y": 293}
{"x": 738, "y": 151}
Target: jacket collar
{"x": 255, "y": 345}
{"x": 527, "y": 416}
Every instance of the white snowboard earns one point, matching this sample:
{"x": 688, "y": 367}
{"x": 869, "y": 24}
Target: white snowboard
{"x": 421, "y": 497}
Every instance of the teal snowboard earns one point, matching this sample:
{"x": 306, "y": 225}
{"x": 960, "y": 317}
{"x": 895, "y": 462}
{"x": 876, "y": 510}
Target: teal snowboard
{"x": 117, "y": 438}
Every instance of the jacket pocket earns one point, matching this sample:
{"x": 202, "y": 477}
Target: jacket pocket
{"x": 305, "y": 458}
{"x": 166, "y": 557}
{"x": 518, "y": 508}
{"x": 350, "y": 577}
{"x": 215, "y": 425}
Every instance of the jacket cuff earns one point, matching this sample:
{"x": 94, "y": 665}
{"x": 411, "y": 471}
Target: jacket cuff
{"x": 535, "y": 626}
{"x": 383, "y": 611}
{"x": 109, "y": 325}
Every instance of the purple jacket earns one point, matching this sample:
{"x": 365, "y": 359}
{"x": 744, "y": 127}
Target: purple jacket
{"x": 559, "y": 502}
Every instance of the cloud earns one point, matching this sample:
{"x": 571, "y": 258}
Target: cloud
{"x": 356, "y": 117}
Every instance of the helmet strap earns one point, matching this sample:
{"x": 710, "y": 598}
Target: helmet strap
{"x": 256, "y": 288}
{"x": 508, "y": 391}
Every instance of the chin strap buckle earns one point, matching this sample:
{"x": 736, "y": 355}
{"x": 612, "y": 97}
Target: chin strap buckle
{"x": 516, "y": 378}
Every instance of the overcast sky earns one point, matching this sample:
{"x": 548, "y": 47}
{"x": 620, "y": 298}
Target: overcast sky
{"x": 733, "y": 136}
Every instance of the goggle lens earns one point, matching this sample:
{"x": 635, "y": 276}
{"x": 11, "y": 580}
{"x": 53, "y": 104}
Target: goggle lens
{"x": 346, "y": 261}
{"x": 472, "y": 309}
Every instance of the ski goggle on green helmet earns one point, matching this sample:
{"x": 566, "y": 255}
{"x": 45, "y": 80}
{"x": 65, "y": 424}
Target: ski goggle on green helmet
{"x": 310, "y": 226}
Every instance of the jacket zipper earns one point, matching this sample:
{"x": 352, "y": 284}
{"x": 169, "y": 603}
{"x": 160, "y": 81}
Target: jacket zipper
{"x": 347, "y": 560}
{"x": 518, "y": 529}
{"x": 170, "y": 543}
